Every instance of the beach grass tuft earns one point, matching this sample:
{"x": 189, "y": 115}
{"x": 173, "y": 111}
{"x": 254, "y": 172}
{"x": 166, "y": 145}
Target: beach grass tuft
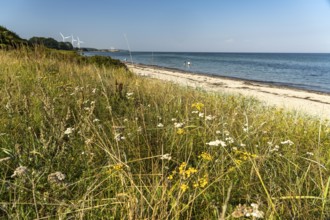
{"x": 83, "y": 140}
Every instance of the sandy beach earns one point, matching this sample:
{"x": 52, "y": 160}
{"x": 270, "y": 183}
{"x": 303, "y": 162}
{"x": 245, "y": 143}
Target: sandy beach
{"x": 309, "y": 102}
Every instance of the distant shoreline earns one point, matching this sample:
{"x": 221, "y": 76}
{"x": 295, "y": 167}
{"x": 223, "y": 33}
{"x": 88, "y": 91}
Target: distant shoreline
{"x": 313, "y": 103}
{"x": 270, "y": 84}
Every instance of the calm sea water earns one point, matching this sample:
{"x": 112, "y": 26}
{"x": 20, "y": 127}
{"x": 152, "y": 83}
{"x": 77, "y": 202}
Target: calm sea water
{"x": 304, "y": 71}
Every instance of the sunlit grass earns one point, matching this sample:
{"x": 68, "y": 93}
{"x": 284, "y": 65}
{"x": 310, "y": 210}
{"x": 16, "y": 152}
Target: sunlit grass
{"x": 84, "y": 141}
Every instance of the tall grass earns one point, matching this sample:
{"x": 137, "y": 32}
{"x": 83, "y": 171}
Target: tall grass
{"x": 85, "y": 141}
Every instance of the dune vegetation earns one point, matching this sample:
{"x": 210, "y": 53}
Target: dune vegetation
{"x": 84, "y": 138}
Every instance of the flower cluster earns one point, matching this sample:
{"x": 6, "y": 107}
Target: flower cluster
{"x": 247, "y": 211}
{"x": 56, "y": 178}
{"x": 20, "y": 171}
{"x": 199, "y": 106}
{"x": 217, "y": 143}
{"x": 205, "y": 156}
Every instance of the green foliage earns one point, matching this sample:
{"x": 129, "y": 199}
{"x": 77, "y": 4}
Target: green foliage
{"x": 81, "y": 139}
{"x": 9, "y": 39}
{"x": 103, "y": 61}
{"x": 50, "y": 43}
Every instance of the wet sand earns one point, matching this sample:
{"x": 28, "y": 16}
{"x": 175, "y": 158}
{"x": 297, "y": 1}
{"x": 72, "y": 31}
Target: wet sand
{"x": 313, "y": 103}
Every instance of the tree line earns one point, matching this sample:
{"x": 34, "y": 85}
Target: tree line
{"x": 9, "y": 39}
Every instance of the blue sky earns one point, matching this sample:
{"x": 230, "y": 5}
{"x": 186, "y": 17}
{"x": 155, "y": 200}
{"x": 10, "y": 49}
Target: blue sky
{"x": 177, "y": 25}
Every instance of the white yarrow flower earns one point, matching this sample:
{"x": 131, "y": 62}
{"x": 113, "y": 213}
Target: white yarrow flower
{"x": 166, "y": 157}
{"x": 178, "y": 125}
{"x": 217, "y": 143}
{"x": 287, "y": 142}
{"x": 68, "y": 131}
{"x": 210, "y": 117}
{"x": 160, "y": 125}
{"x": 96, "y": 120}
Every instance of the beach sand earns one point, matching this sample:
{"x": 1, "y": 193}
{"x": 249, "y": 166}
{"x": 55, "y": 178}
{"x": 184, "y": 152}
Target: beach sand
{"x": 306, "y": 102}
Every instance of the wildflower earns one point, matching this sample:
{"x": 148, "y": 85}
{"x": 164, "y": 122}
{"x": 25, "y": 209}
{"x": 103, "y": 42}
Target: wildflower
{"x": 287, "y": 142}
{"x": 178, "y": 125}
{"x": 160, "y": 125}
{"x": 190, "y": 171}
{"x": 180, "y": 131}
{"x": 170, "y": 177}
{"x": 173, "y": 119}
{"x": 166, "y": 157}
{"x": 238, "y": 162}
{"x": 241, "y": 210}
{"x": 218, "y": 132}
{"x": 203, "y": 181}
{"x": 195, "y": 112}
{"x": 184, "y": 187}
{"x": 217, "y": 143}
{"x": 201, "y": 115}
{"x": 119, "y": 137}
{"x": 230, "y": 140}
{"x": 182, "y": 168}
{"x": 129, "y": 94}
{"x": 205, "y": 156}
{"x": 209, "y": 117}
{"x": 68, "y": 131}
{"x": 20, "y": 171}
{"x": 310, "y": 154}
{"x": 243, "y": 145}
{"x": 96, "y": 120}
{"x": 245, "y": 155}
{"x": 56, "y": 178}
{"x": 199, "y": 106}
{"x": 248, "y": 211}
{"x": 256, "y": 213}
{"x": 118, "y": 167}
{"x": 94, "y": 91}
{"x": 276, "y": 148}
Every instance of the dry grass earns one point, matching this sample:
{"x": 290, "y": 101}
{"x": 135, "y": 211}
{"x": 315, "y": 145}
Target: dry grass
{"x": 80, "y": 141}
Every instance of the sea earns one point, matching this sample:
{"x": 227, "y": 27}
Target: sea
{"x": 307, "y": 71}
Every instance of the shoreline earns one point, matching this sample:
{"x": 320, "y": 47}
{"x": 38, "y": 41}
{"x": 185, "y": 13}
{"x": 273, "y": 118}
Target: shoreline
{"x": 247, "y": 81}
{"x": 313, "y": 103}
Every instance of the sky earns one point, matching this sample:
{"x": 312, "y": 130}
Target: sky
{"x": 177, "y": 25}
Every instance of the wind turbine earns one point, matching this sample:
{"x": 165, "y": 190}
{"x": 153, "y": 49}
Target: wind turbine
{"x": 72, "y": 40}
{"x": 79, "y": 42}
{"x": 64, "y": 37}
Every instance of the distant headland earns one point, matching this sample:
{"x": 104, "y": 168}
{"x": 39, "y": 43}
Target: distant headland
{"x": 9, "y": 40}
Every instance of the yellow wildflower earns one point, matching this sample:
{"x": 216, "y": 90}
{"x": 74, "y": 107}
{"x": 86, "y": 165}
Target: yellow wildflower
{"x": 184, "y": 187}
{"x": 190, "y": 171}
{"x": 182, "y": 168}
{"x": 118, "y": 166}
{"x": 238, "y": 162}
{"x": 180, "y": 131}
{"x": 170, "y": 177}
{"x": 199, "y": 106}
{"x": 205, "y": 156}
{"x": 203, "y": 181}
{"x": 243, "y": 155}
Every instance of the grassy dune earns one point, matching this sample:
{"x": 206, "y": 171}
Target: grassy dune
{"x": 82, "y": 140}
